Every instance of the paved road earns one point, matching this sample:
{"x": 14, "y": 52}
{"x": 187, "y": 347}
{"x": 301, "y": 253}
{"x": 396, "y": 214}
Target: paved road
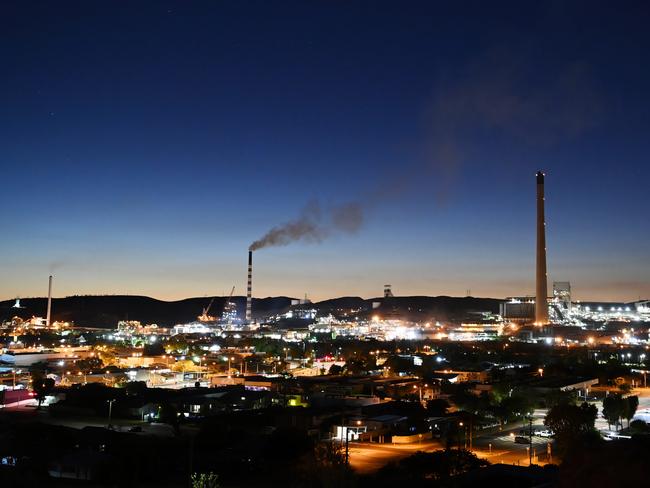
{"x": 368, "y": 457}
{"x": 497, "y": 447}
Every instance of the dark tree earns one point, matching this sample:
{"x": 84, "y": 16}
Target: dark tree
{"x": 429, "y": 468}
{"x": 630, "y": 404}
{"x": 572, "y": 424}
{"x": 335, "y": 369}
{"x": 437, "y": 407}
{"x": 613, "y": 408}
{"x": 42, "y": 386}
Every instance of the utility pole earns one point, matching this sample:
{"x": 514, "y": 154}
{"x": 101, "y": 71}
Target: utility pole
{"x": 471, "y": 433}
{"x": 347, "y": 446}
{"x": 530, "y": 440}
{"x": 110, "y": 411}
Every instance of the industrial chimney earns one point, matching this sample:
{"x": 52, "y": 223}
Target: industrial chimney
{"x": 541, "y": 291}
{"x": 249, "y": 290}
{"x": 49, "y": 303}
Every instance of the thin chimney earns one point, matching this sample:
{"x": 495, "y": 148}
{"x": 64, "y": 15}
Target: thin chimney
{"x": 49, "y": 303}
{"x": 541, "y": 289}
{"x": 249, "y": 290}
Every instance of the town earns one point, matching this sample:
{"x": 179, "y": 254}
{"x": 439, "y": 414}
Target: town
{"x": 365, "y": 385}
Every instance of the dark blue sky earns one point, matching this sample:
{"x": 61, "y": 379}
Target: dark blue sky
{"x": 145, "y": 145}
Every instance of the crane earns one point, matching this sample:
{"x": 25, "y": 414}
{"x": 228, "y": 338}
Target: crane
{"x": 204, "y": 317}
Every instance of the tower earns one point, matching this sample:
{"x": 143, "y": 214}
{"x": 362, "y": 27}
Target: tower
{"x": 388, "y": 291}
{"x": 541, "y": 288}
{"x": 49, "y": 302}
{"x": 249, "y": 289}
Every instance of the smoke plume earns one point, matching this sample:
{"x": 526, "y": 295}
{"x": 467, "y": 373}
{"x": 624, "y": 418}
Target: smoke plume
{"x": 313, "y": 225}
{"x": 495, "y": 96}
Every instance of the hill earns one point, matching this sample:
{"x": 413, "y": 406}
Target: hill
{"x": 106, "y": 310}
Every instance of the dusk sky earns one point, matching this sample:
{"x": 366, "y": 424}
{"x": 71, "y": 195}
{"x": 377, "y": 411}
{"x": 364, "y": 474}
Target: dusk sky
{"x": 145, "y": 145}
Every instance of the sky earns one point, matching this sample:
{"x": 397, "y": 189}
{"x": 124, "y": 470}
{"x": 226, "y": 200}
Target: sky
{"x": 144, "y": 146}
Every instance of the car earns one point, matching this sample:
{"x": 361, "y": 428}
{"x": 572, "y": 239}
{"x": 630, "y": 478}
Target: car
{"x": 135, "y": 428}
{"x": 520, "y": 439}
{"x": 544, "y": 433}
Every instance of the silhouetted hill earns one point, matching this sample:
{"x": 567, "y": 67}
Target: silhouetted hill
{"x": 415, "y": 307}
{"x": 106, "y": 310}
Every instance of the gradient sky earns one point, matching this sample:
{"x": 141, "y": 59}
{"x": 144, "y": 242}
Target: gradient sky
{"x": 145, "y": 145}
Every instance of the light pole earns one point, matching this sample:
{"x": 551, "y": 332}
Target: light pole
{"x": 530, "y": 440}
{"x": 110, "y": 411}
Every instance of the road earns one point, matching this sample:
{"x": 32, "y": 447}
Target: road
{"x": 367, "y": 457}
{"x": 497, "y": 447}
{"x": 500, "y": 447}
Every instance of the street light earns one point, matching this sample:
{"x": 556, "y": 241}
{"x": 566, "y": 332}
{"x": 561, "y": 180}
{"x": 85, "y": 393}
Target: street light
{"x": 460, "y": 424}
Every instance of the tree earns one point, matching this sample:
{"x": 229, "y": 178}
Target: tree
{"x": 41, "y": 386}
{"x": 185, "y": 365}
{"x": 168, "y": 414}
{"x": 613, "y": 408}
{"x": 514, "y": 407}
{"x": 625, "y": 388}
{"x": 437, "y": 407}
{"x": 135, "y": 388}
{"x": 205, "y": 480}
{"x": 572, "y": 424}
{"x": 630, "y": 404}
{"x": 335, "y": 369}
{"x": 559, "y": 397}
{"x": 639, "y": 427}
{"x": 90, "y": 363}
{"x": 434, "y": 468}
{"x": 39, "y": 368}
{"x": 568, "y": 421}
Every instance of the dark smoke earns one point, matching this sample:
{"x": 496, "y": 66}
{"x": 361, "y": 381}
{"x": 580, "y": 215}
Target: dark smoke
{"x": 313, "y": 225}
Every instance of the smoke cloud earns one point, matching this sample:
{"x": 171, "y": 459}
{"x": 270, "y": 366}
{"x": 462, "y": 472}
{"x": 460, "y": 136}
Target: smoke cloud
{"x": 313, "y": 225}
{"x": 55, "y": 265}
{"x": 495, "y": 96}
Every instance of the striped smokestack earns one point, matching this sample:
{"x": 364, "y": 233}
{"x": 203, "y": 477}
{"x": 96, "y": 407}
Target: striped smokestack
{"x": 541, "y": 291}
{"x": 49, "y": 302}
{"x": 249, "y": 290}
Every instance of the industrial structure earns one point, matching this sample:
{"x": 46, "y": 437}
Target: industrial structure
{"x": 49, "y": 303}
{"x": 541, "y": 288}
{"x": 388, "y": 291}
{"x": 249, "y": 289}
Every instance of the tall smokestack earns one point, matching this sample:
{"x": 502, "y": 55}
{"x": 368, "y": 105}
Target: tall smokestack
{"x": 249, "y": 290}
{"x": 541, "y": 290}
{"x": 49, "y": 302}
